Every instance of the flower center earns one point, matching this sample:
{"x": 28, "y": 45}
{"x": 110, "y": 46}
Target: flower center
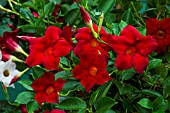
{"x": 93, "y": 70}
{"x": 160, "y": 34}
{"x": 94, "y": 43}
{"x": 49, "y": 90}
{"x": 48, "y": 51}
{"x": 131, "y": 50}
{"x": 6, "y": 73}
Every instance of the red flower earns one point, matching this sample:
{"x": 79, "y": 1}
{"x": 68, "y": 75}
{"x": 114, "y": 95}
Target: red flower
{"x": 47, "y": 88}
{"x": 132, "y": 49}
{"x": 87, "y": 42}
{"x": 47, "y": 50}
{"x": 91, "y": 70}
{"x": 8, "y": 36}
{"x": 85, "y": 16}
{"x": 160, "y": 31}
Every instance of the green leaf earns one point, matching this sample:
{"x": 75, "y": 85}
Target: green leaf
{"x": 142, "y": 30}
{"x": 153, "y": 63}
{"x": 25, "y": 97}
{"x": 72, "y": 103}
{"x": 127, "y": 16}
{"x": 161, "y": 70}
{"x": 71, "y": 16}
{"x": 74, "y": 59}
{"x": 32, "y": 106}
{"x": 56, "y": 1}
{"x": 125, "y": 88}
{"x": 3, "y": 2}
{"x": 146, "y": 103}
{"x": 32, "y": 29}
{"x": 115, "y": 28}
{"x": 93, "y": 97}
{"x": 49, "y": 7}
{"x": 65, "y": 61}
{"x": 4, "y": 28}
{"x": 26, "y": 13}
{"x": 82, "y": 110}
{"x": 29, "y": 4}
{"x": 63, "y": 74}
{"x": 37, "y": 72}
{"x": 106, "y": 6}
{"x": 104, "y": 90}
{"x": 105, "y": 104}
{"x": 127, "y": 74}
{"x": 71, "y": 85}
{"x": 149, "y": 92}
{"x": 122, "y": 24}
{"x": 159, "y": 104}
{"x": 26, "y": 84}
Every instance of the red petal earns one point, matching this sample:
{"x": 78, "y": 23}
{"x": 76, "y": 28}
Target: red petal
{"x": 166, "y": 39}
{"x": 131, "y": 33}
{"x": 119, "y": 43}
{"x": 48, "y": 78}
{"x": 146, "y": 45}
{"x": 161, "y": 46}
{"x": 51, "y": 34}
{"x": 62, "y": 48}
{"x": 165, "y": 25}
{"x": 40, "y": 98}
{"x": 139, "y": 63}
{"x": 102, "y": 77}
{"x": 58, "y": 84}
{"x": 123, "y": 62}
{"x": 88, "y": 83}
{"x": 50, "y": 62}
{"x": 100, "y": 62}
{"x": 57, "y": 111}
{"x": 33, "y": 59}
{"x": 38, "y": 85}
{"x": 52, "y": 98}
{"x": 67, "y": 34}
{"x": 152, "y": 26}
{"x": 79, "y": 72}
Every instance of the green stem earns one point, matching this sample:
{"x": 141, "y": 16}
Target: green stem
{"x": 137, "y": 13}
{"x": 7, "y": 96}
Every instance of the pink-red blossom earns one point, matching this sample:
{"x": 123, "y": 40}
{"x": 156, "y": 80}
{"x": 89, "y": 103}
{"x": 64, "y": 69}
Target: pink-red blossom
{"x": 48, "y": 49}
{"x": 132, "y": 49}
{"x": 47, "y": 88}
{"x": 91, "y": 70}
{"x": 160, "y": 31}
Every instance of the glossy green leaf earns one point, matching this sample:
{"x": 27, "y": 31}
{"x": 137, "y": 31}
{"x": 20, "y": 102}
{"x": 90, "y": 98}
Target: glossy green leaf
{"x": 49, "y": 7}
{"x": 149, "y": 92}
{"x": 65, "y": 61}
{"x": 122, "y": 24}
{"x": 32, "y": 106}
{"x": 146, "y": 103}
{"x": 125, "y": 88}
{"x": 56, "y": 1}
{"x": 153, "y": 63}
{"x": 25, "y": 97}
{"x": 72, "y": 16}
{"x": 93, "y": 97}
{"x": 106, "y": 6}
{"x": 127, "y": 16}
{"x": 37, "y": 72}
{"x": 26, "y": 84}
{"x": 72, "y": 103}
{"x": 63, "y": 74}
{"x": 105, "y": 104}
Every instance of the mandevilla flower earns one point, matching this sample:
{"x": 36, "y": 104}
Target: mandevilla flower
{"x": 47, "y": 50}
{"x": 91, "y": 70}
{"x": 7, "y": 71}
{"x": 132, "y": 49}
{"x": 87, "y": 42}
{"x": 160, "y": 31}
{"x": 47, "y": 88}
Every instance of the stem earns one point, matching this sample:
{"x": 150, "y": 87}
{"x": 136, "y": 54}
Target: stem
{"x": 7, "y": 96}
{"x": 137, "y": 13}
